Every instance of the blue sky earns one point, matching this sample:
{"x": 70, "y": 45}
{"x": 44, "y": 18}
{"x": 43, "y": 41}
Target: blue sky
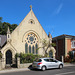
{"x": 55, "y": 16}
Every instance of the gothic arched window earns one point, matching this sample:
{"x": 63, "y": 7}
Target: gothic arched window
{"x": 31, "y": 43}
{"x": 29, "y": 49}
{"x": 26, "y": 48}
{"x": 33, "y": 49}
{"x": 36, "y": 46}
{"x": 51, "y": 53}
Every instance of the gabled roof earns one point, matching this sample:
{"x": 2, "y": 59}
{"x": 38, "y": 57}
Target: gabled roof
{"x": 31, "y": 17}
{"x": 3, "y": 39}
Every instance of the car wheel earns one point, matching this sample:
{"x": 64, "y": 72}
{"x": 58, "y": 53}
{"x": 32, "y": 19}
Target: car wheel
{"x": 43, "y": 68}
{"x": 60, "y": 66}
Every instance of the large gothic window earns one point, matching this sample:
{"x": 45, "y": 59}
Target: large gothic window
{"x": 31, "y": 43}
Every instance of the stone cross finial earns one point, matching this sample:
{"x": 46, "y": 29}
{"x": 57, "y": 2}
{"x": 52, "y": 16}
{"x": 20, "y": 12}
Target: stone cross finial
{"x": 30, "y": 7}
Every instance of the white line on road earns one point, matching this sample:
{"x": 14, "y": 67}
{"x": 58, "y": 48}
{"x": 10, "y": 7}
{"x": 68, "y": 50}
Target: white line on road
{"x": 64, "y": 73}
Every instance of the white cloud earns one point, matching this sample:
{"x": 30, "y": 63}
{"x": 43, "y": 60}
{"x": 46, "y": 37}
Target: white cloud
{"x": 59, "y": 8}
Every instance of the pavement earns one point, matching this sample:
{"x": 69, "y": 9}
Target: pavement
{"x": 27, "y": 69}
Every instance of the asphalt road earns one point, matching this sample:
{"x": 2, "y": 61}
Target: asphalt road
{"x": 65, "y": 71}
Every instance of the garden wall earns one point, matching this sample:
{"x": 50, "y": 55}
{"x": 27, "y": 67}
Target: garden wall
{"x": 25, "y": 65}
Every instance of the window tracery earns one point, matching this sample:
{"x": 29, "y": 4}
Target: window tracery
{"x": 31, "y": 42}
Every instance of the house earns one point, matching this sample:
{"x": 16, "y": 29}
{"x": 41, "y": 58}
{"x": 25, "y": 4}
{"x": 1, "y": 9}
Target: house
{"x": 64, "y": 44}
{"x": 26, "y": 38}
{"x": 3, "y": 39}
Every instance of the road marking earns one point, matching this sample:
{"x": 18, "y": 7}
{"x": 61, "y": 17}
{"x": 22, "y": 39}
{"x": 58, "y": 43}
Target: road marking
{"x": 64, "y": 73}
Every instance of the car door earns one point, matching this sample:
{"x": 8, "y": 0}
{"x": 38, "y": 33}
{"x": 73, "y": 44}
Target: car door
{"x": 47, "y": 63}
{"x": 54, "y": 63}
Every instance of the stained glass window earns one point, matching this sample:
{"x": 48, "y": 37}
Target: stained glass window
{"x": 26, "y": 48}
{"x": 31, "y": 38}
{"x": 29, "y": 49}
{"x": 36, "y": 48}
{"x": 33, "y": 49}
{"x": 31, "y": 43}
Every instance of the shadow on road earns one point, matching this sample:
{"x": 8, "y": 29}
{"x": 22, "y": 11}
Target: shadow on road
{"x": 32, "y": 69}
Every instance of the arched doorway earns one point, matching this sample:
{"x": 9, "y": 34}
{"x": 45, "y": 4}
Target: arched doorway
{"x": 51, "y": 53}
{"x": 8, "y": 57}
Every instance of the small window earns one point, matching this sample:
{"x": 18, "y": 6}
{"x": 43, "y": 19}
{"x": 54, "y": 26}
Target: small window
{"x": 73, "y": 44}
{"x": 47, "y": 60}
{"x": 31, "y": 21}
{"x": 8, "y": 36}
{"x": 52, "y": 60}
{"x": 38, "y": 60}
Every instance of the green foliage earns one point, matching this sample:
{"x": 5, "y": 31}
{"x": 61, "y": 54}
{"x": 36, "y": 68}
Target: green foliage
{"x": 46, "y": 44}
{"x": 70, "y": 53}
{"x": 53, "y": 44}
{"x": 27, "y": 58}
{"x": 70, "y": 58}
{"x": 4, "y": 27}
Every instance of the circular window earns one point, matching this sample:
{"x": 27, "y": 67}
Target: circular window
{"x": 31, "y": 38}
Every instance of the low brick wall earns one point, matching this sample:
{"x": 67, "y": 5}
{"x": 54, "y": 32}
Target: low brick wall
{"x": 19, "y": 65}
{"x": 26, "y": 65}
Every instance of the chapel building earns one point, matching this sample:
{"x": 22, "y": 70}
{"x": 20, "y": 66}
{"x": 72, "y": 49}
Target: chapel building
{"x": 26, "y": 38}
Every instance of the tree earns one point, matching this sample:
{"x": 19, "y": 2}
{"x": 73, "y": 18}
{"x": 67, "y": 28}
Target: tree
{"x": 45, "y": 45}
{"x": 0, "y": 25}
{"x": 4, "y": 26}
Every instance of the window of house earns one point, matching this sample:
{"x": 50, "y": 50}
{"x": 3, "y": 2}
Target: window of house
{"x": 73, "y": 44}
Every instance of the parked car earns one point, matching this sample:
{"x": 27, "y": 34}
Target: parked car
{"x": 47, "y": 63}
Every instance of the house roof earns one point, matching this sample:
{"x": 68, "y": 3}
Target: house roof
{"x": 64, "y": 36}
{"x": 3, "y": 39}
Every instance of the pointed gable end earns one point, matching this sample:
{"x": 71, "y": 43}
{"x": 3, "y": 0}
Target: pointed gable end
{"x": 30, "y": 23}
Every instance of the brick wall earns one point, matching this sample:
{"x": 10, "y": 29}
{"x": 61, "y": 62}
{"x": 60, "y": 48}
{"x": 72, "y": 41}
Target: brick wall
{"x": 60, "y": 49}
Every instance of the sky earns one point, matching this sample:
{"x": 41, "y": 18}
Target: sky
{"x": 55, "y": 16}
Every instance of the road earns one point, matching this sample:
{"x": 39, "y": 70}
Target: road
{"x": 65, "y": 71}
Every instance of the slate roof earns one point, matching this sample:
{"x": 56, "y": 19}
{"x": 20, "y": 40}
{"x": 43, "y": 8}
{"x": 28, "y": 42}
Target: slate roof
{"x": 3, "y": 39}
{"x": 64, "y": 36}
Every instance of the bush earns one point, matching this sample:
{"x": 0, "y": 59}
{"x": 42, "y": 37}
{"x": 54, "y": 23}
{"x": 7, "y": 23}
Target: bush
{"x": 73, "y": 60}
{"x": 67, "y": 59}
{"x": 27, "y": 58}
{"x": 70, "y": 58}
